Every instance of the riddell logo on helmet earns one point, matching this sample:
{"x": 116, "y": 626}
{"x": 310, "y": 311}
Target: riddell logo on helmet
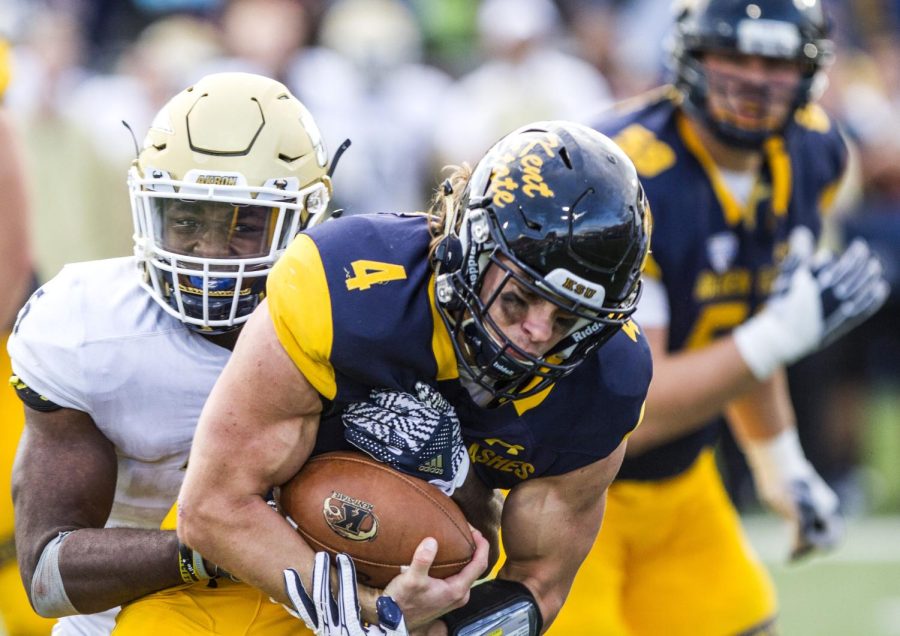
{"x": 591, "y": 329}
{"x": 212, "y": 179}
{"x": 472, "y": 270}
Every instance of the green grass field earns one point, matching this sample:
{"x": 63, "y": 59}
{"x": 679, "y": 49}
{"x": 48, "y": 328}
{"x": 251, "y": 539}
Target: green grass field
{"x": 853, "y": 592}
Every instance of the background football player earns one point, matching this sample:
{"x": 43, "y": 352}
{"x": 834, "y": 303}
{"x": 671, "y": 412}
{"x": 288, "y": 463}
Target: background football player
{"x": 738, "y": 163}
{"x": 114, "y": 359}
{"x": 513, "y": 302}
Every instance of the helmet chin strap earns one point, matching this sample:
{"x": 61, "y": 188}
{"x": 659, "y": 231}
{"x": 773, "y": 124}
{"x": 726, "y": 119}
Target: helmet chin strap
{"x": 489, "y": 357}
{"x": 219, "y": 308}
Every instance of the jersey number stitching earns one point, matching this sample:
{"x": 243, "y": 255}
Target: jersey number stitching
{"x": 714, "y": 320}
{"x": 368, "y": 273}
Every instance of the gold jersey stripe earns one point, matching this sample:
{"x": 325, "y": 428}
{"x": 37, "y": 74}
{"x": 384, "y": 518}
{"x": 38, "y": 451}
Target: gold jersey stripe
{"x": 730, "y": 206}
{"x": 780, "y": 166}
{"x": 300, "y": 306}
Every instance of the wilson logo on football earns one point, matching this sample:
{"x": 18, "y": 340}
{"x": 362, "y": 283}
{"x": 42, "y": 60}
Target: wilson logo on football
{"x": 351, "y": 518}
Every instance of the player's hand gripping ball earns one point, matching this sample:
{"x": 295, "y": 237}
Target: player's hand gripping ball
{"x": 348, "y": 502}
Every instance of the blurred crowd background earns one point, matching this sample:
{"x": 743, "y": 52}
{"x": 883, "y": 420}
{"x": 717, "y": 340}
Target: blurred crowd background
{"x": 417, "y": 84}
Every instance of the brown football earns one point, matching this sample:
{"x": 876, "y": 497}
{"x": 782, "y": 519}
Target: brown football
{"x": 348, "y": 502}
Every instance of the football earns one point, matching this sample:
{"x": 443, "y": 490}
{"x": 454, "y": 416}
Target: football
{"x": 348, "y": 502}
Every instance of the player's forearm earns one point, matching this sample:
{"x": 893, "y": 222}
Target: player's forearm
{"x": 239, "y": 534}
{"x": 763, "y": 412}
{"x": 545, "y": 556}
{"x": 549, "y": 577}
{"x": 689, "y": 388}
{"x": 482, "y": 507}
{"x": 103, "y": 568}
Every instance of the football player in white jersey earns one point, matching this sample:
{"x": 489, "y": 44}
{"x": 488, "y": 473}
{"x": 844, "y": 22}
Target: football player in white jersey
{"x": 114, "y": 359}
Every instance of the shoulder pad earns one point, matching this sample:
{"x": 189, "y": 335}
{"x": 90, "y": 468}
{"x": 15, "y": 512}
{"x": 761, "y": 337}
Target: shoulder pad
{"x": 813, "y": 117}
{"x": 649, "y": 155}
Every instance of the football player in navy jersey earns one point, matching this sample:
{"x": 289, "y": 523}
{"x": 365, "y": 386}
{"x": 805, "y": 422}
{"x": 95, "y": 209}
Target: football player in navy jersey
{"x": 507, "y": 313}
{"x": 738, "y": 163}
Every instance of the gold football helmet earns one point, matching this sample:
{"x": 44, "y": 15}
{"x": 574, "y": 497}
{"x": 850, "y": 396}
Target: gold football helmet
{"x": 230, "y": 170}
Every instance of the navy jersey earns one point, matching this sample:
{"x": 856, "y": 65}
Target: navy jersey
{"x": 715, "y": 256}
{"x": 353, "y": 304}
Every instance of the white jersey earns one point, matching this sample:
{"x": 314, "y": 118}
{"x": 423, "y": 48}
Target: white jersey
{"x": 93, "y": 340}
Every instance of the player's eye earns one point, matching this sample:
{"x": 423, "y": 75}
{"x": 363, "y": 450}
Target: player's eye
{"x": 185, "y": 224}
{"x": 513, "y": 305}
{"x": 248, "y": 228}
{"x": 565, "y": 323}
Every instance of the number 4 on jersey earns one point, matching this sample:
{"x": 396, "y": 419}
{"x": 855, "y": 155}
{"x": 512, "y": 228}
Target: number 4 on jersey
{"x": 368, "y": 273}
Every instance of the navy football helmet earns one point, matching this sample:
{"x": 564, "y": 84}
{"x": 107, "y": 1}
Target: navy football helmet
{"x": 558, "y": 208}
{"x": 230, "y": 170}
{"x": 796, "y": 31}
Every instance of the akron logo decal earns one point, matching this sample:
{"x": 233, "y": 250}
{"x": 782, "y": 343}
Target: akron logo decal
{"x": 351, "y": 518}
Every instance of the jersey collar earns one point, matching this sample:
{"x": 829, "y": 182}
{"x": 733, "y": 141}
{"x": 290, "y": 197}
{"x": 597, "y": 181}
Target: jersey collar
{"x": 776, "y": 158}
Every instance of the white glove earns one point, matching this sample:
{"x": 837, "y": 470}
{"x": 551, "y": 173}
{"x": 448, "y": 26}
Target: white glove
{"x": 813, "y": 303}
{"x": 327, "y": 617}
{"x": 417, "y": 434}
{"x": 790, "y": 486}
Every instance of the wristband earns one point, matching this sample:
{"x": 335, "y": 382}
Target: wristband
{"x": 760, "y": 344}
{"x": 48, "y": 592}
{"x": 496, "y": 607}
{"x": 779, "y": 455}
{"x": 190, "y": 565}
